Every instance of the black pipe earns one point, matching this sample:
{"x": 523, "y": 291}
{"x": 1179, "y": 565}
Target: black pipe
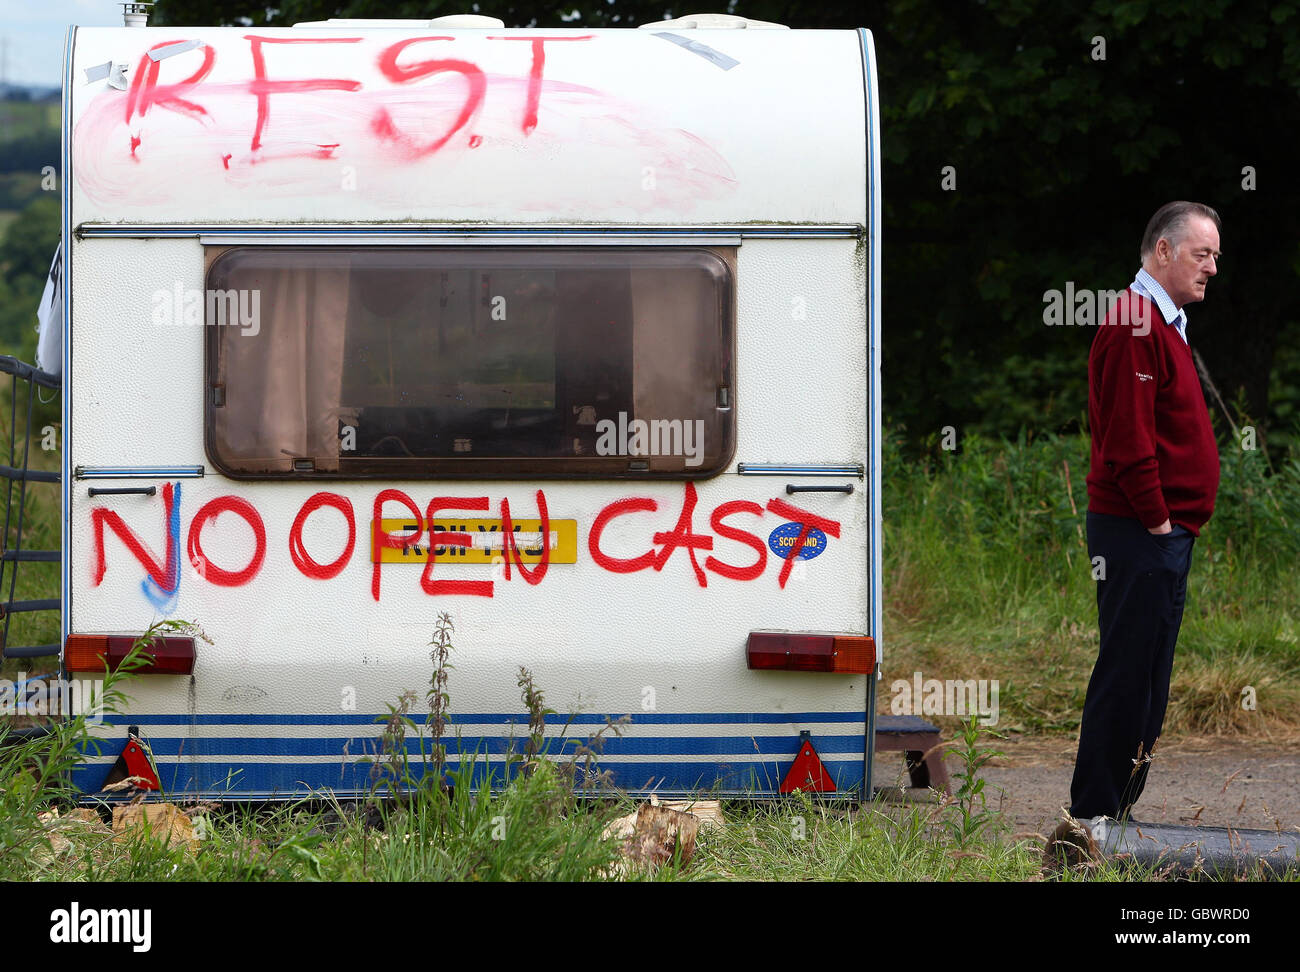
{"x": 16, "y": 737}
{"x": 1212, "y": 851}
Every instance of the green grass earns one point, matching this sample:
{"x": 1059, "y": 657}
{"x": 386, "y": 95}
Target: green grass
{"x": 464, "y": 837}
{"x": 987, "y": 576}
{"x": 534, "y": 831}
{"x": 23, "y": 118}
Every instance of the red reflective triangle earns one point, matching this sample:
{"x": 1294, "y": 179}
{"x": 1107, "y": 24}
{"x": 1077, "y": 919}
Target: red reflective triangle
{"x": 807, "y": 773}
{"x": 134, "y": 763}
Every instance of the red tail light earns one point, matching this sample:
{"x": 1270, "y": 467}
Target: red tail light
{"x": 163, "y": 656}
{"x": 811, "y": 651}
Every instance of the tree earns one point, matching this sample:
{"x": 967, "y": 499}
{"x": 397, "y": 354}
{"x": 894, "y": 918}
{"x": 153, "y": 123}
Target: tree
{"x": 1064, "y": 147}
{"x": 28, "y": 243}
{"x": 1066, "y": 125}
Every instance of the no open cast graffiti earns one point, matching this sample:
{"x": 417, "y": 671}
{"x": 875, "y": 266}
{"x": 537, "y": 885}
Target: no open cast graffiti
{"x": 163, "y": 579}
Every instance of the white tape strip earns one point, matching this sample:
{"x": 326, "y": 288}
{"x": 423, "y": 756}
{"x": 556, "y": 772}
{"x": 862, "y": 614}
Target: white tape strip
{"x": 523, "y": 541}
{"x": 171, "y": 50}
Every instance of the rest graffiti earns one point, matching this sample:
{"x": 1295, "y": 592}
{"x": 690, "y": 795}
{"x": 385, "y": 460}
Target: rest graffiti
{"x": 525, "y": 545}
{"x": 220, "y": 120}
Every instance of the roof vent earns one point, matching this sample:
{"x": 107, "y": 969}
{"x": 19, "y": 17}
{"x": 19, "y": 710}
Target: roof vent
{"x": 452, "y": 21}
{"x": 467, "y": 20}
{"x": 355, "y": 23}
{"x": 135, "y": 14}
{"x": 715, "y": 21}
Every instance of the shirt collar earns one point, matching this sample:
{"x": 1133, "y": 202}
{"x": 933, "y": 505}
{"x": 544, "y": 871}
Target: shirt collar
{"x": 1147, "y": 286}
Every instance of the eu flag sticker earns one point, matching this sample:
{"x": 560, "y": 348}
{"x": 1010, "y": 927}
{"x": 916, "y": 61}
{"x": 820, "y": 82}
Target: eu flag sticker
{"x": 782, "y": 541}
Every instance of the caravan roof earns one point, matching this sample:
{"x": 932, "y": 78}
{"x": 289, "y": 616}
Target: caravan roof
{"x": 337, "y": 124}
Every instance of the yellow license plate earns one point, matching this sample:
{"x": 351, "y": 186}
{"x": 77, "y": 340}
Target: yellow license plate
{"x": 487, "y": 543}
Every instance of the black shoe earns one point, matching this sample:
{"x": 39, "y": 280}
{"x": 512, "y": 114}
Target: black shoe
{"x": 1072, "y": 844}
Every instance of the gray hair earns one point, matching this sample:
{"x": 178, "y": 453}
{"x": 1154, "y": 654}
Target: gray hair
{"x": 1170, "y": 223}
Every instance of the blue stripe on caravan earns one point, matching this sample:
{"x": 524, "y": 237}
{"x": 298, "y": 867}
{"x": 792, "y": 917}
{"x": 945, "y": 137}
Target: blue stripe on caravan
{"x": 490, "y": 718}
{"x": 244, "y": 775}
{"x": 180, "y": 747}
{"x": 237, "y": 779}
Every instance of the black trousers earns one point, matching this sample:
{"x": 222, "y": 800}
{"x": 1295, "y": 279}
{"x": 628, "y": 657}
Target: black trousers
{"x": 1139, "y": 610}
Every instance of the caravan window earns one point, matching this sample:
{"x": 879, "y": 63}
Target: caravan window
{"x": 423, "y": 362}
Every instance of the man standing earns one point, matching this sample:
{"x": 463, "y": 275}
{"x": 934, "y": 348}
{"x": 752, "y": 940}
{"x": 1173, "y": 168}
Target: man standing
{"x": 1151, "y": 487}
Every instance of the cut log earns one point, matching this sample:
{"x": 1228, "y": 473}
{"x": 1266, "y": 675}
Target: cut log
{"x": 163, "y": 821}
{"x": 709, "y": 812}
{"x": 661, "y": 835}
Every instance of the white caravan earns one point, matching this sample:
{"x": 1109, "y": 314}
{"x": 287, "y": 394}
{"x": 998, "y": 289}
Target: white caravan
{"x": 570, "y": 334}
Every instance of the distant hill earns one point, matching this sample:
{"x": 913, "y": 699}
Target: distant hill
{"x": 28, "y": 92}
{"x": 29, "y": 140}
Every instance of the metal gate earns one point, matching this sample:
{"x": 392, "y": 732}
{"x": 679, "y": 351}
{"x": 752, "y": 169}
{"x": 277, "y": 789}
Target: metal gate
{"x": 16, "y": 472}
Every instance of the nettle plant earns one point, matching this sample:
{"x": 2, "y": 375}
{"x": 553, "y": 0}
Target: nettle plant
{"x": 972, "y": 815}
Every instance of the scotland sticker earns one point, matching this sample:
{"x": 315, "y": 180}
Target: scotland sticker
{"x": 782, "y": 541}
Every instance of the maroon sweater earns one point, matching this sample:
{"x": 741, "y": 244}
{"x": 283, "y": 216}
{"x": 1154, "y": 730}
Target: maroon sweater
{"x": 1153, "y": 451}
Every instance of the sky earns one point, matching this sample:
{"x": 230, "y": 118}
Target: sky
{"x": 32, "y": 35}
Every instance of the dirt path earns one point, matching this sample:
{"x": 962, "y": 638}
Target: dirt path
{"x": 1207, "y": 781}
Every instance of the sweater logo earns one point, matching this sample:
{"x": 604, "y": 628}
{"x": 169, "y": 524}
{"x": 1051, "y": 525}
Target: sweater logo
{"x": 1142, "y": 377}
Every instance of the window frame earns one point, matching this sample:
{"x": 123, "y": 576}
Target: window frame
{"x": 575, "y": 468}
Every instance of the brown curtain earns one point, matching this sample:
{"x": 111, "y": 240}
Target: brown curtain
{"x": 283, "y": 384}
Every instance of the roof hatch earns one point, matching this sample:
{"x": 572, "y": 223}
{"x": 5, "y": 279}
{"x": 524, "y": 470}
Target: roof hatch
{"x": 470, "y": 21}
{"x": 716, "y": 21}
